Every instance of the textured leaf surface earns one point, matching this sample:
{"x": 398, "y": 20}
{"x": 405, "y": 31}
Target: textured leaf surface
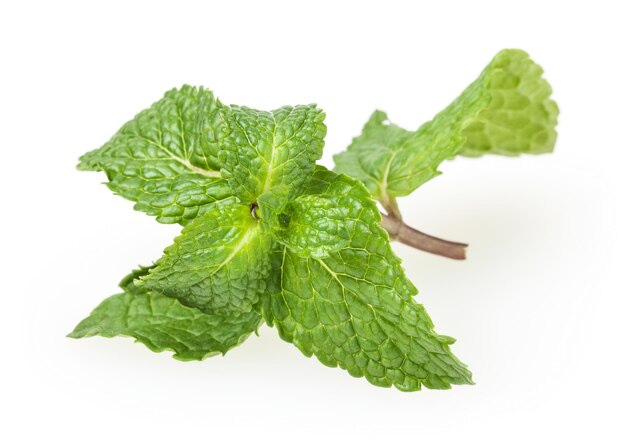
{"x": 165, "y": 159}
{"x": 266, "y": 149}
{"x": 271, "y": 207}
{"x": 355, "y": 309}
{"x": 218, "y": 264}
{"x": 163, "y": 323}
{"x": 317, "y": 225}
{"x": 506, "y": 111}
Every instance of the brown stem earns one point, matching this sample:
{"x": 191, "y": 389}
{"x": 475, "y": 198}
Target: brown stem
{"x": 398, "y": 230}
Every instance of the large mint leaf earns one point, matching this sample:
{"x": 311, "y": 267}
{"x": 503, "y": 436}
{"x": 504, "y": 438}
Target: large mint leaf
{"x": 218, "y": 264}
{"x": 268, "y": 149}
{"x": 506, "y": 111}
{"x": 163, "y": 323}
{"x": 165, "y": 159}
{"x": 354, "y": 308}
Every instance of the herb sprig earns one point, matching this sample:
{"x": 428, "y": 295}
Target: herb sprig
{"x": 269, "y": 236}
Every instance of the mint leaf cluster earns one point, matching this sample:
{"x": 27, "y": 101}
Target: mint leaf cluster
{"x": 268, "y": 236}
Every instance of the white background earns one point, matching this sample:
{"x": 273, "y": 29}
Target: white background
{"x": 538, "y": 308}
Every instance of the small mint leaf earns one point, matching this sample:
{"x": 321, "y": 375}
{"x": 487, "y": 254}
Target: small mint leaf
{"x": 318, "y": 225}
{"x": 271, "y": 206}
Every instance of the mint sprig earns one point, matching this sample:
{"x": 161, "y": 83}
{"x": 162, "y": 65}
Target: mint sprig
{"x": 269, "y": 236}
{"x": 506, "y": 111}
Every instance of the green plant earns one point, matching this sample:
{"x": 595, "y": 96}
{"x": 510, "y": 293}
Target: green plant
{"x": 270, "y": 237}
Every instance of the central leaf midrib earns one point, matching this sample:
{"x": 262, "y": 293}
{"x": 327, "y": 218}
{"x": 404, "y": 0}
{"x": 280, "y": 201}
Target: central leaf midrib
{"x": 186, "y": 163}
{"x": 270, "y": 166}
{"x": 247, "y": 235}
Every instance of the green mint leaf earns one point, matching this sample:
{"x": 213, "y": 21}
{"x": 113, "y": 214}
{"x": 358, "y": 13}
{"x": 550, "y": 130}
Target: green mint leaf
{"x": 520, "y": 117}
{"x": 271, "y": 208}
{"x": 506, "y": 111}
{"x": 317, "y": 225}
{"x": 355, "y": 309}
{"x": 130, "y": 282}
{"x": 165, "y": 159}
{"x": 163, "y": 323}
{"x": 268, "y": 149}
{"x": 220, "y": 262}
